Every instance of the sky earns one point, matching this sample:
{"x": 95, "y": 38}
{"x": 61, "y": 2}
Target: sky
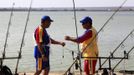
{"x": 66, "y": 3}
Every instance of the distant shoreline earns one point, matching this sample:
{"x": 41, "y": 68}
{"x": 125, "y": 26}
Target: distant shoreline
{"x": 71, "y": 9}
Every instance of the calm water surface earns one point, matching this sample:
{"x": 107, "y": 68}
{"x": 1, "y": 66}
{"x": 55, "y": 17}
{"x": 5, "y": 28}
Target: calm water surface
{"x": 109, "y": 38}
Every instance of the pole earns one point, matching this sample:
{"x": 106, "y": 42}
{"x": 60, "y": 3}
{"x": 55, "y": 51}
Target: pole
{"x": 7, "y": 33}
{"x": 23, "y": 37}
{"x": 79, "y": 56}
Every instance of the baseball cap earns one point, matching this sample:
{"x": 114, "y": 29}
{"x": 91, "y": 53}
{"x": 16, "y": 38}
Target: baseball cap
{"x": 44, "y": 18}
{"x": 86, "y": 19}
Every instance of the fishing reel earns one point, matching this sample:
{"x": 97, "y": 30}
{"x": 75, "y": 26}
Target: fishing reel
{"x": 70, "y": 73}
{"x": 5, "y": 71}
{"x": 105, "y": 72}
{"x": 76, "y": 65}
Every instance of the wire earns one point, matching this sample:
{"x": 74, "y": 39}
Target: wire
{"x": 63, "y": 53}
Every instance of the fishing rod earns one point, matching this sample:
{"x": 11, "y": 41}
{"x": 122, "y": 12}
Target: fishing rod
{"x": 78, "y": 56}
{"x": 104, "y": 26}
{"x": 111, "y": 56}
{"x": 118, "y": 46}
{"x": 98, "y": 31}
{"x": 23, "y": 37}
{"x": 76, "y": 28}
{"x": 126, "y": 55}
{"x": 70, "y": 67}
{"x": 7, "y": 33}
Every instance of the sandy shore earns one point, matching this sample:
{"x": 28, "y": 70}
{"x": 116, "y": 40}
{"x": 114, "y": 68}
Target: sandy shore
{"x": 61, "y": 73}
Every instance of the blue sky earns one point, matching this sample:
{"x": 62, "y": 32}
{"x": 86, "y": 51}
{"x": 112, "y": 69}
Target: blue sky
{"x": 65, "y": 3}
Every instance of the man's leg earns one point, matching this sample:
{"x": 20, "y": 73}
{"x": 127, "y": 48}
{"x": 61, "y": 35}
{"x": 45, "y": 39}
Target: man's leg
{"x": 46, "y": 67}
{"x": 38, "y": 66}
{"x": 86, "y": 67}
{"x": 46, "y": 71}
{"x": 93, "y": 66}
{"x": 37, "y": 72}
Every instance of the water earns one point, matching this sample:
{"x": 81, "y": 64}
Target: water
{"x": 109, "y": 38}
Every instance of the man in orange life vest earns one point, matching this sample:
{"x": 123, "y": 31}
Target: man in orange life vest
{"x": 41, "y": 50}
{"x": 90, "y": 50}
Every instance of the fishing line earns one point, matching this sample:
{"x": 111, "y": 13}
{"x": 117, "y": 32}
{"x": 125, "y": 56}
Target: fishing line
{"x": 23, "y": 37}
{"x": 122, "y": 46}
{"x": 7, "y": 33}
{"x": 132, "y": 35}
{"x": 63, "y": 53}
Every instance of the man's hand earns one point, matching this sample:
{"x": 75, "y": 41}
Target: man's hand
{"x": 63, "y": 44}
{"x": 67, "y": 37}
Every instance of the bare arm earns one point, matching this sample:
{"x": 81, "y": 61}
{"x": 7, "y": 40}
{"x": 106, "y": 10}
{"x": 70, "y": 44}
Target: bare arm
{"x": 80, "y": 39}
{"x": 71, "y": 39}
{"x": 57, "y": 42}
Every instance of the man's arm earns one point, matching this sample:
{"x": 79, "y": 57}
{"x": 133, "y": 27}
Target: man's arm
{"x": 85, "y": 36}
{"x": 71, "y": 39}
{"x": 80, "y": 39}
{"x": 57, "y": 42}
{"x": 40, "y": 48}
